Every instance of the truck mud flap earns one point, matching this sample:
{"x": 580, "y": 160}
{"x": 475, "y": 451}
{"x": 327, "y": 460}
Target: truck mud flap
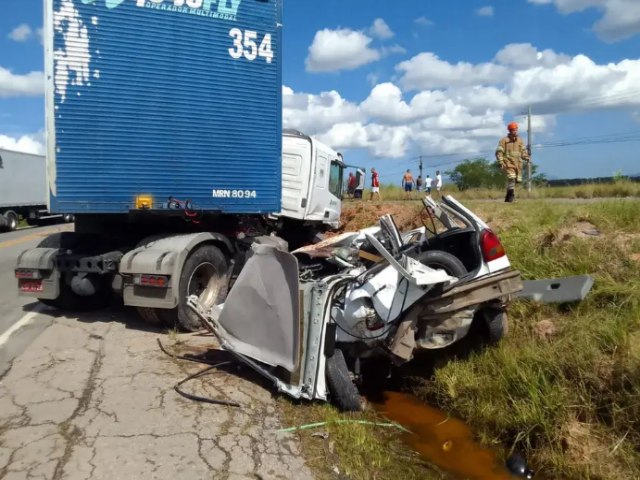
{"x": 41, "y": 260}
{"x": 557, "y": 290}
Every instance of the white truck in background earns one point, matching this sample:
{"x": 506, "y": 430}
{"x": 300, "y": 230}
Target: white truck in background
{"x": 23, "y": 190}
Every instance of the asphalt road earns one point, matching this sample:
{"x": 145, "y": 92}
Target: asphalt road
{"x": 90, "y": 397}
{"x": 21, "y": 318}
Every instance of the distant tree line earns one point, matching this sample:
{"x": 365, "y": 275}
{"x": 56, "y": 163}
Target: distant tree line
{"x": 583, "y": 181}
{"x": 482, "y": 173}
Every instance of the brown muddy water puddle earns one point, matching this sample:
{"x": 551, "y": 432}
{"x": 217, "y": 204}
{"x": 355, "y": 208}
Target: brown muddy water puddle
{"x": 446, "y": 442}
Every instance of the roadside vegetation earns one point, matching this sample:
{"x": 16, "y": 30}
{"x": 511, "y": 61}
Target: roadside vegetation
{"x": 564, "y": 386}
{"x": 619, "y": 189}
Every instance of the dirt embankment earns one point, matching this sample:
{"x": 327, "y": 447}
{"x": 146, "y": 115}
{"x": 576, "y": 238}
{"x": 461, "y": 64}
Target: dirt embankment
{"x": 358, "y": 215}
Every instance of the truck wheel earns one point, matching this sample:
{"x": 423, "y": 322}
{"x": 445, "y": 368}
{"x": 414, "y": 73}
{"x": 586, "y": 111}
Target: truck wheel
{"x": 204, "y": 274}
{"x": 11, "y": 220}
{"x": 343, "y": 392}
{"x": 68, "y": 299}
{"x": 66, "y": 240}
{"x": 150, "y": 315}
{"x": 438, "y": 259}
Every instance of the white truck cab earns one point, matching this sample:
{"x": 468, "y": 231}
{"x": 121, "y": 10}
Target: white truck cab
{"x": 311, "y": 180}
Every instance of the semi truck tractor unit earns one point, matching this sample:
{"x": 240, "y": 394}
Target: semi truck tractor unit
{"x": 156, "y": 258}
{"x": 165, "y": 140}
{"x": 23, "y": 191}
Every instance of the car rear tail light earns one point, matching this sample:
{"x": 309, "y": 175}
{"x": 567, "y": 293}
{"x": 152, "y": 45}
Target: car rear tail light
{"x": 160, "y": 281}
{"x": 24, "y": 273}
{"x": 491, "y": 247}
{"x": 30, "y": 286}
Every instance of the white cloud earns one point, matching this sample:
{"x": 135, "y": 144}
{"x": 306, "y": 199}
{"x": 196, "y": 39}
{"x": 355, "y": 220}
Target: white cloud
{"x": 393, "y": 49}
{"x": 579, "y": 85}
{"x": 525, "y": 55}
{"x": 21, "y": 33}
{"x": 344, "y": 49}
{"x": 436, "y": 107}
{"x": 423, "y": 21}
{"x": 380, "y": 29}
{"x": 25, "y": 143}
{"x": 385, "y": 103}
{"x": 486, "y": 11}
{"x": 427, "y": 70}
{"x": 317, "y": 113}
{"x": 12, "y": 85}
{"x": 620, "y": 20}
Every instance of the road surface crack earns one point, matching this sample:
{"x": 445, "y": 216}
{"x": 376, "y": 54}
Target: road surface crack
{"x": 71, "y": 433}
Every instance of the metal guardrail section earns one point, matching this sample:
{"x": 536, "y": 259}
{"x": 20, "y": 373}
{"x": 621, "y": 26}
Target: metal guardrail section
{"x": 557, "y": 290}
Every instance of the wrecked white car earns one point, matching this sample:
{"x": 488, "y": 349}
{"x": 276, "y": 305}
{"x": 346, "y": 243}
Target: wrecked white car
{"x": 300, "y": 318}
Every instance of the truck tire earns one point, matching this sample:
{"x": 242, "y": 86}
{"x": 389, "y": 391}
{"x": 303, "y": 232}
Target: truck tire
{"x": 439, "y": 259}
{"x": 68, "y": 299}
{"x": 343, "y": 392}
{"x": 203, "y": 274}
{"x": 11, "y": 220}
{"x": 150, "y": 315}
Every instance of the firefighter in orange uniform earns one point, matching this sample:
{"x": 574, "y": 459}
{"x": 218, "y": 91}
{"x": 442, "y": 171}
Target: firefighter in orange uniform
{"x": 511, "y": 153}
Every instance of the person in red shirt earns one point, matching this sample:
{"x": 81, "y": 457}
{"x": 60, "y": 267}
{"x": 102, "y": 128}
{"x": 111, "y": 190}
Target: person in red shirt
{"x": 375, "y": 184}
{"x": 351, "y": 185}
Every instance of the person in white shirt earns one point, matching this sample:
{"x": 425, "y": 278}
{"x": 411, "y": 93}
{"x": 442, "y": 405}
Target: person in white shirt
{"x": 428, "y": 183}
{"x": 438, "y": 181}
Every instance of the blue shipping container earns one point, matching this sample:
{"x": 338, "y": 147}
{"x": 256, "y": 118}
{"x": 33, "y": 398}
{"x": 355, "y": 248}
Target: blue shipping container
{"x": 168, "y": 98}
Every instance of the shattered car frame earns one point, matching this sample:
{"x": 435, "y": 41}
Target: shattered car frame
{"x": 376, "y": 292}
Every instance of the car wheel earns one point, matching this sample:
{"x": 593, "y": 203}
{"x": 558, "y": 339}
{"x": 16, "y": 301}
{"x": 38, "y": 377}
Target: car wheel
{"x": 343, "y": 392}
{"x": 497, "y": 324}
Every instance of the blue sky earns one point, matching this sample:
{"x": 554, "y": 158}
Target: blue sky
{"x": 388, "y": 81}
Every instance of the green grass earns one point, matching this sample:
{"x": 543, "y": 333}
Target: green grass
{"x": 619, "y": 189}
{"x": 359, "y": 452}
{"x": 571, "y": 402}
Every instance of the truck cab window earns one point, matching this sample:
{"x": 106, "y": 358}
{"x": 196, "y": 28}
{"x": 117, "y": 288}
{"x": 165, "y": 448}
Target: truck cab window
{"x": 335, "y": 179}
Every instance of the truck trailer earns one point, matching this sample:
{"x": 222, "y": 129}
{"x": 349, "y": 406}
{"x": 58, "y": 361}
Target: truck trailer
{"x": 23, "y": 190}
{"x": 165, "y": 140}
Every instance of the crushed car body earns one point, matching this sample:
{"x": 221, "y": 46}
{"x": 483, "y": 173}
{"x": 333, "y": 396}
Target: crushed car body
{"x": 306, "y": 319}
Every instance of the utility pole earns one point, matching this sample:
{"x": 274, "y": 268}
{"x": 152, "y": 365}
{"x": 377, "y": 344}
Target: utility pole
{"x": 421, "y": 167}
{"x": 529, "y": 144}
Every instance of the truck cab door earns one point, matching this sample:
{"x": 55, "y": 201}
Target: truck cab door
{"x": 326, "y": 197}
{"x": 296, "y": 173}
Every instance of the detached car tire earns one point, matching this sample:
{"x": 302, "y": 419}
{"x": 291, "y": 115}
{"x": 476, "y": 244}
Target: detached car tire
{"x": 438, "y": 259}
{"x": 204, "y": 274}
{"x": 343, "y": 392}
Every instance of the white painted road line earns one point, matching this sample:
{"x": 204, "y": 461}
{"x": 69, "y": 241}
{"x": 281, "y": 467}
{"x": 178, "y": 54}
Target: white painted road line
{"x": 25, "y": 320}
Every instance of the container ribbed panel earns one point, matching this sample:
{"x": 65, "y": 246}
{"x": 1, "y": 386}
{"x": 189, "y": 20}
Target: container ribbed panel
{"x": 148, "y": 100}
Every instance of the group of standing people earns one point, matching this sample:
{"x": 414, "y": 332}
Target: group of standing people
{"x": 511, "y": 154}
{"x": 427, "y": 184}
{"x": 355, "y": 184}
